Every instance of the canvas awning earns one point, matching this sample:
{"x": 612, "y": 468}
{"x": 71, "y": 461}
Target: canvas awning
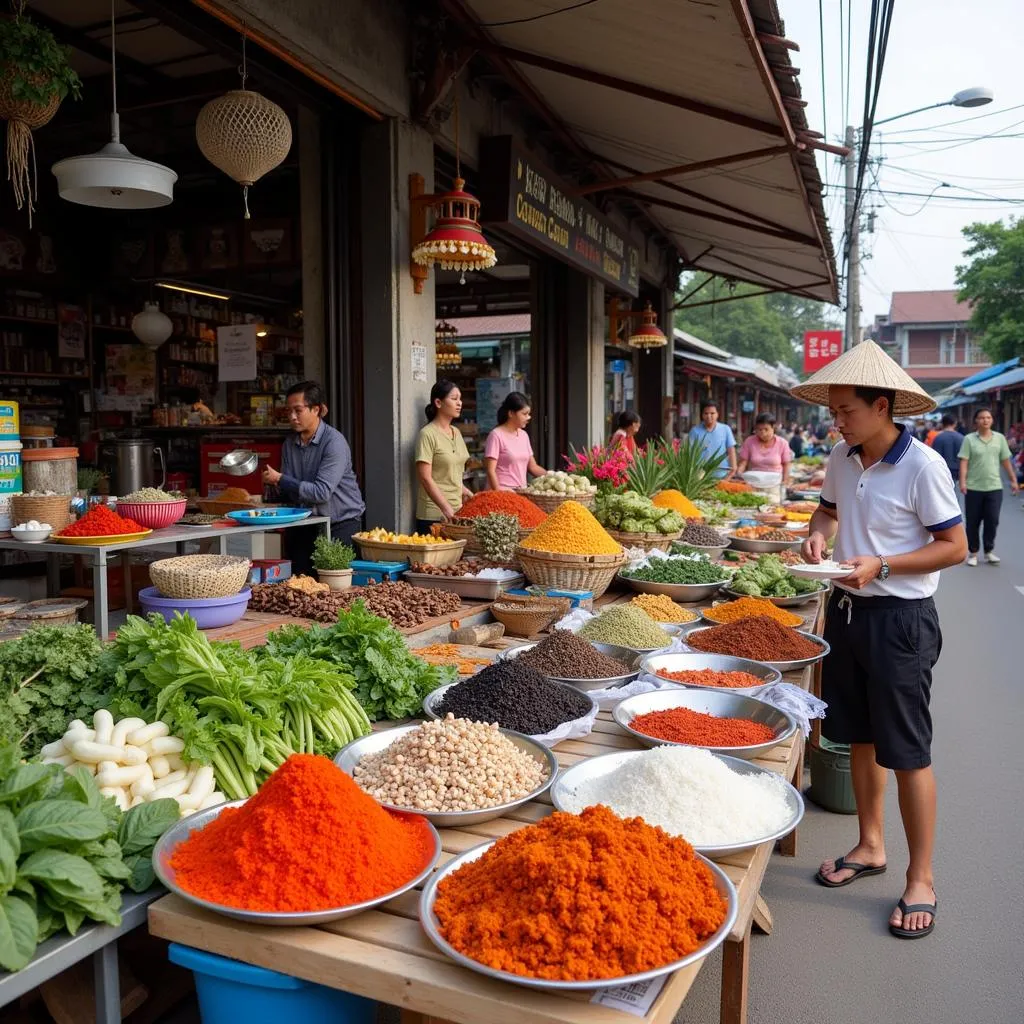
{"x": 1004, "y": 380}
{"x": 687, "y": 113}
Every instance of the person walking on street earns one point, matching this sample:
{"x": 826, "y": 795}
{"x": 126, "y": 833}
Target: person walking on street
{"x": 715, "y": 437}
{"x": 981, "y": 455}
{"x": 890, "y": 504}
{"x": 947, "y": 443}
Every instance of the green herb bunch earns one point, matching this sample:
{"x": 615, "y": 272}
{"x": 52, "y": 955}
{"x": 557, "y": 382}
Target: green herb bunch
{"x": 331, "y": 555}
{"x": 36, "y": 67}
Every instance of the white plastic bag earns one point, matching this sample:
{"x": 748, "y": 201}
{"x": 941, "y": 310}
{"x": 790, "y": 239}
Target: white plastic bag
{"x": 607, "y": 699}
{"x": 574, "y": 730}
{"x": 794, "y": 700}
{"x": 574, "y": 621}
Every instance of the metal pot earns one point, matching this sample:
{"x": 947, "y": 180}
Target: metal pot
{"x": 129, "y": 462}
{"x": 240, "y": 462}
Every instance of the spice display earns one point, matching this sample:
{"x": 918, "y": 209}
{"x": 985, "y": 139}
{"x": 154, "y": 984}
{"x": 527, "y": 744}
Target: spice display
{"x": 310, "y": 839}
{"x": 678, "y": 570}
{"x": 451, "y": 764}
{"x": 765, "y": 533}
{"x": 199, "y": 519}
{"x": 559, "y": 482}
{"x": 564, "y": 655}
{"x": 703, "y": 536}
{"x": 151, "y": 494}
{"x": 497, "y": 535}
{"x": 382, "y": 536}
{"x": 733, "y": 487}
{"x": 515, "y": 696}
{"x": 683, "y": 725}
{"x": 662, "y": 608}
{"x": 746, "y": 607}
{"x": 768, "y": 577}
{"x": 690, "y": 793}
{"x": 571, "y": 530}
{"x": 759, "y": 638}
{"x": 708, "y": 677}
{"x": 307, "y": 585}
{"x": 626, "y": 626}
{"x": 100, "y": 521}
{"x": 506, "y": 502}
{"x": 678, "y": 502}
{"x": 581, "y": 898}
{"x": 635, "y": 513}
{"x": 451, "y": 654}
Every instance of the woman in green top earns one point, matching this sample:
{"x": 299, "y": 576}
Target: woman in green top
{"x": 981, "y": 455}
{"x": 441, "y": 457}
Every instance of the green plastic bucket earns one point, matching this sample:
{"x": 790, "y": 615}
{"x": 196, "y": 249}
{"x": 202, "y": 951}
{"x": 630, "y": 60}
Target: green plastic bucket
{"x": 831, "y": 782}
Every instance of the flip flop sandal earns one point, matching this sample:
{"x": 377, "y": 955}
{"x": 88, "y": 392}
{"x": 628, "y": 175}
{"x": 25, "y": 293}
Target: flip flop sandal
{"x": 915, "y": 908}
{"x": 859, "y": 871}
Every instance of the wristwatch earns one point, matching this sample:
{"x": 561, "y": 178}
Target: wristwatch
{"x": 883, "y": 573}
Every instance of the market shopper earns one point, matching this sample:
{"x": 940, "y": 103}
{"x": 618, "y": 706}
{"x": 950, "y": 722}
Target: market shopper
{"x": 765, "y": 451}
{"x": 316, "y": 471}
{"x": 441, "y": 457}
{"x": 981, "y": 455}
{"x": 715, "y": 437}
{"x": 627, "y": 426}
{"x": 890, "y": 504}
{"x": 508, "y": 454}
{"x": 948, "y": 442}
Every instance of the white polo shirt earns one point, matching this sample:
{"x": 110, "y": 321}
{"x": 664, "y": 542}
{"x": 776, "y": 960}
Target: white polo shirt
{"x": 890, "y": 508}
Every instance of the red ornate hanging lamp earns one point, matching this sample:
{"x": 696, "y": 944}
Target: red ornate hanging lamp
{"x": 647, "y": 335}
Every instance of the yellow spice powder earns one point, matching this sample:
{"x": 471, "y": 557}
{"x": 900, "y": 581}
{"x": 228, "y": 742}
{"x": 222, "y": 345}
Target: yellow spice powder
{"x": 678, "y": 501}
{"x": 572, "y": 530}
{"x": 662, "y": 608}
{"x": 747, "y": 607}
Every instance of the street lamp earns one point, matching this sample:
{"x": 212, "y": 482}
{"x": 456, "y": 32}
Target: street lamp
{"x": 977, "y": 96}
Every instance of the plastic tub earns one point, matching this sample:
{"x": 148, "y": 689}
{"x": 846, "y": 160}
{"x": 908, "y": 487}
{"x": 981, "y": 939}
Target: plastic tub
{"x": 231, "y": 991}
{"x": 10, "y": 468}
{"x": 209, "y": 612}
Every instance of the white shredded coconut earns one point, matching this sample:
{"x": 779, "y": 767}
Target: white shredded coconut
{"x": 691, "y": 793}
{"x": 495, "y": 574}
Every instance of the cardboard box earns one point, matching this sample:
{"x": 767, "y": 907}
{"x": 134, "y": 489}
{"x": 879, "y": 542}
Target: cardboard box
{"x": 270, "y": 570}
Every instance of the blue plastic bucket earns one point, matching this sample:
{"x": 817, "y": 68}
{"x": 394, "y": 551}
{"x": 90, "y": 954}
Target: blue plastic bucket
{"x": 230, "y": 991}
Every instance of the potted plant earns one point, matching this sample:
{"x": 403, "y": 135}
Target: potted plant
{"x": 35, "y": 75}
{"x": 332, "y": 561}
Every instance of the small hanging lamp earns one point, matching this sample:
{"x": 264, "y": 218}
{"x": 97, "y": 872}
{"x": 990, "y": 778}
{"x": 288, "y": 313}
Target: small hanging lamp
{"x": 243, "y": 134}
{"x": 648, "y": 335}
{"x": 152, "y": 327}
{"x": 114, "y": 178}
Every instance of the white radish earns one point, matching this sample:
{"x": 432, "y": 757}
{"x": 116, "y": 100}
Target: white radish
{"x": 216, "y": 797}
{"x": 136, "y": 801}
{"x": 82, "y": 733}
{"x": 119, "y": 795}
{"x": 172, "y": 789}
{"x": 76, "y": 724}
{"x": 142, "y": 736}
{"x": 161, "y": 767}
{"x": 92, "y": 752}
{"x": 103, "y": 723}
{"x": 202, "y": 785}
{"x": 164, "y": 745}
{"x": 141, "y": 788}
{"x": 105, "y": 766}
{"x": 175, "y": 761}
{"x": 123, "y": 777}
{"x": 187, "y": 802}
{"x": 55, "y": 749}
{"x": 133, "y": 755}
{"x": 119, "y": 737}
{"x": 64, "y": 760}
{"x": 169, "y": 780}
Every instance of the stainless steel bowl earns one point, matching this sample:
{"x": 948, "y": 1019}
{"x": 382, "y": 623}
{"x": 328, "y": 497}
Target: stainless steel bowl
{"x": 720, "y": 704}
{"x": 763, "y": 546}
{"x": 182, "y": 829}
{"x": 807, "y": 621}
{"x": 786, "y": 666}
{"x": 240, "y": 462}
{"x": 713, "y": 551}
{"x": 782, "y": 602}
{"x": 352, "y": 753}
{"x": 434, "y": 698}
{"x": 631, "y": 662}
{"x": 695, "y": 661}
{"x": 599, "y": 767}
{"x": 684, "y": 593}
{"x": 432, "y": 926}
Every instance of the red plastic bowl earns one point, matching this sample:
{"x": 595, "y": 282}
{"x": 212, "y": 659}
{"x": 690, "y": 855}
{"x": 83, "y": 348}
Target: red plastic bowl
{"x": 155, "y": 515}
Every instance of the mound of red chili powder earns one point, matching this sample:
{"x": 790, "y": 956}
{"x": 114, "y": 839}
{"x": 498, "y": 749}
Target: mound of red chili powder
{"x": 310, "y": 839}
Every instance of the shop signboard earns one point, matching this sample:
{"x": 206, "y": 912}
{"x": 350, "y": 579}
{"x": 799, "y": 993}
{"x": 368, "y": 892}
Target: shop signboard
{"x": 820, "y": 348}
{"x": 618, "y": 366}
{"x": 520, "y": 195}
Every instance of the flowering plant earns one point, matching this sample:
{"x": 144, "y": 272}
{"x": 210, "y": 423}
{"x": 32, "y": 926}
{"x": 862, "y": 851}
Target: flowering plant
{"x": 605, "y": 466}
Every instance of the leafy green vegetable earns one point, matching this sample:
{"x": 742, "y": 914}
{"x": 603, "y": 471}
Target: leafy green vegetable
{"x": 56, "y": 822}
{"x": 635, "y": 513}
{"x": 331, "y": 555}
{"x": 679, "y": 570}
{"x": 769, "y": 577}
{"x": 19, "y": 933}
{"x": 143, "y": 825}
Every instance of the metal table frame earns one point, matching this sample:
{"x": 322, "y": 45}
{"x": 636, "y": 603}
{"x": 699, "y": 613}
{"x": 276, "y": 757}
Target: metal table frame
{"x": 176, "y": 535}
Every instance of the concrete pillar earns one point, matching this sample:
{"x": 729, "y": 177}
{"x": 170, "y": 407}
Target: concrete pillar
{"x": 585, "y": 348}
{"x": 311, "y": 231}
{"x": 394, "y": 319}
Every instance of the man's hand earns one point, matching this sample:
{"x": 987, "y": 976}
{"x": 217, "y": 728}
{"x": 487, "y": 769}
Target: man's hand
{"x": 865, "y": 569}
{"x": 1014, "y": 487}
{"x": 271, "y": 475}
{"x": 814, "y": 548}
{"x": 963, "y": 488}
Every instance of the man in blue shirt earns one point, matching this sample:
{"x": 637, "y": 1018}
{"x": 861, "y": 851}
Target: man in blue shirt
{"x": 716, "y": 437}
{"x": 947, "y": 443}
{"x": 316, "y": 470}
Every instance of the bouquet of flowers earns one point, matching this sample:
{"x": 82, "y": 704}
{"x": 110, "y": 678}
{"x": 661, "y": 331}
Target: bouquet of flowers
{"x": 603, "y": 465}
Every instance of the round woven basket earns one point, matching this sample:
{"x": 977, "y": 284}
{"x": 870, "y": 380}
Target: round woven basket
{"x": 570, "y": 572}
{"x": 524, "y": 621}
{"x": 549, "y": 502}
{"x": 194, "y": 577}
{"x": 52, "y": 509}
{"x": 647, "y": 541}
{"x": 462, "y": 529}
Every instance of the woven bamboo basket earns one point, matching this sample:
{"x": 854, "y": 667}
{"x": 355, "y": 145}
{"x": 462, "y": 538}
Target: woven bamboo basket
{"x": 549, "y": 502}
{"x": 427, "y": 554}
{"x": 563, "y": 604}
{"x": 192, "y": 577}
{"x": 525, "y": 620}
{"x": 570, "y": 572}
{"x": 647, "y": 541}
{"x": 52, "y": 509}
{"x": 462, "y": 529}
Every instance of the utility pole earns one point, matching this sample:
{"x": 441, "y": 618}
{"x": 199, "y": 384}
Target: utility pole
{"x": 851, "y": 336}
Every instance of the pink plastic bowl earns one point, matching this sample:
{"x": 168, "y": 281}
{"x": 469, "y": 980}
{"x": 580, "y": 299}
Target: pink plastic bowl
{"x": 154, "y": 515}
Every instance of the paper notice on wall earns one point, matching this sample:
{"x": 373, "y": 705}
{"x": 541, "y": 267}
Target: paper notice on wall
{"x": 236, "y": 352}
{"x": 419, "y": 362}
{"x": 634, "y": 999}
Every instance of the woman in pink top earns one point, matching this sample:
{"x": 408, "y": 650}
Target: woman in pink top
{"x": 764, "y": 452}
{"x": 508, "y": 455}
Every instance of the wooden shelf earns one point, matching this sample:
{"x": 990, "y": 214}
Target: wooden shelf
{"x": 44, "y": 376}
{"x": 111, "y": 327}
{"x": 28, "y": 320}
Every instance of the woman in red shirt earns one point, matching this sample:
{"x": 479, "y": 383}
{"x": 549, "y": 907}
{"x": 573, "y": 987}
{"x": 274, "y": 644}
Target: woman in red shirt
{"x": 627, "y": 427}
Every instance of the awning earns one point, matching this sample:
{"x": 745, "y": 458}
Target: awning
{"x": 687, "y": 112}
{"x": 992, "y": 371}
{"x": 954, "y": 401}
{"x": 714, "y": 367}
{"x": 1004, "y": 380}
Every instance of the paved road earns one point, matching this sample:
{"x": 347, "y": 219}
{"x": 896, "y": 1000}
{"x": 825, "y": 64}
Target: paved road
{"x": 831, "y": 959}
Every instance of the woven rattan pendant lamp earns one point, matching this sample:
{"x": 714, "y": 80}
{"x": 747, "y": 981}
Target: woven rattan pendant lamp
{"x": 243, "y": 134}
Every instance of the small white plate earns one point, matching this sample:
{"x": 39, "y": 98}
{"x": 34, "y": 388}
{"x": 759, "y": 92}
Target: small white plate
{"x": 822, "y": 571}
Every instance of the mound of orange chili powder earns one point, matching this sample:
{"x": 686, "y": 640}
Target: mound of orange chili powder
{"x": 581, "y": 897}
{"x": 310, "y": 839}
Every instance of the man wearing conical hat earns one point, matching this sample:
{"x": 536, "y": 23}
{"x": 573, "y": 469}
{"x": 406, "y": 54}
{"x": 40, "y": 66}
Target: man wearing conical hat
{"x": 889, "y": 502}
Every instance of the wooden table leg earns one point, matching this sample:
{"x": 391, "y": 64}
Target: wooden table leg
{"x": 762, "y": 916}
{"x": 735, "y": 980}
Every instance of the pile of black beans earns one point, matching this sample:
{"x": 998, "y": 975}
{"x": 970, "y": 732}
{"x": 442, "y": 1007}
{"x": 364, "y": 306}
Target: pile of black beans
{"x": 702, "y": 536}
{"x": 566, "y": 656}
{"x": 516, "y": 697}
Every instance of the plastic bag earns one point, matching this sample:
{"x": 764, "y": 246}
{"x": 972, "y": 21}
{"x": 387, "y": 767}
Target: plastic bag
{"x": 794, "y": 700}
{"x": 574, "y": 730}
{"x": 574, "y": 621}
{"x": 607, "y": 699}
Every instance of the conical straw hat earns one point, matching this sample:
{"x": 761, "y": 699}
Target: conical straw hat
{"x": 867, "y": 366}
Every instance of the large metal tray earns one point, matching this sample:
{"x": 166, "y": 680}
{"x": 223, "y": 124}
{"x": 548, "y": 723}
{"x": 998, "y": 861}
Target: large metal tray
{"x": 784, "y": 666}
{"x": 783, "y": 602}
{"x": 464, "y": 586}
{"x": 684, "y": 593}
{"x": 631, "y": 662}
{"x": 763, "y": 546}
{"x": 695, "y": 661}
{"x": 434, "y": 698}
{"x": 432, "y": 927}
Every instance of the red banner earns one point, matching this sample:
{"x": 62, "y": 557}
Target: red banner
{"x": 820, "y": 348}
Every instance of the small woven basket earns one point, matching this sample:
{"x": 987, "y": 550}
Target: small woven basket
{"x": 192, "y": 577}
{"x": 525, "y": 620}
{"x": 549, "y": 502}
{"x": 570, "y": 572}
{"x": 647, "y": 541}
{"x": 54, "y": 509}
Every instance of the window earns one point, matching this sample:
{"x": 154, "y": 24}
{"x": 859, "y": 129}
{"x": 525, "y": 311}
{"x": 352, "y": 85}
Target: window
{"x": 947, "y": 348}
{"x": 975, "y": 353}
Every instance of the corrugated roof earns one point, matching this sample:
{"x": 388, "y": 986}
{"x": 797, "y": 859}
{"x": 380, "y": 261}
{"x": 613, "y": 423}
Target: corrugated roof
{"x": 1004, "y": 380}
{"x": 691, "y": 341}
{"x": 502, "y": 326}
{"x": 939, "y": 307}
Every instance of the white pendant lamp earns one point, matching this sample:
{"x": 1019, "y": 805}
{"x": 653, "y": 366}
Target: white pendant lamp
{"x": 114, "y": 178}
{"x": 152, "y": 327}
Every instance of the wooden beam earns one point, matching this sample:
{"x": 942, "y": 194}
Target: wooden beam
{"x": 793, "y": 290}
{"x": 770, "y": 40}
{"x": 680, "y": 170}
{"x": 825, "y": 147}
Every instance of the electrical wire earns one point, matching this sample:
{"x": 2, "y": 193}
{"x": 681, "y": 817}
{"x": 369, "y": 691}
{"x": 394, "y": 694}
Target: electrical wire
{"x": 536, "y": 17}
{"x": 824, "y": 94}
{"x": 849, "y": 56}
{"x": 963, "y": 120}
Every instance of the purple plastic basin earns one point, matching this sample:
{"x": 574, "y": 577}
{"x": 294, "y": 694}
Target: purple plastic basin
{"x": 209, "y": 612}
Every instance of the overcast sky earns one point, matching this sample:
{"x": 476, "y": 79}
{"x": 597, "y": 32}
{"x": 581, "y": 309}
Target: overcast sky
{"x": 936, "y": 47}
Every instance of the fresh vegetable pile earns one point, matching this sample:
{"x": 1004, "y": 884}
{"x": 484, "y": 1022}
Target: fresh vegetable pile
{"x": 381, "y": 536}
{"x": 740, "y": 499}
{"x": 678, "y": 570}
{"x": 768, "y": 577}
{"x": 559, "y": 483}
{"x": 498, "y": 534}
{"x": 633, "y": 513}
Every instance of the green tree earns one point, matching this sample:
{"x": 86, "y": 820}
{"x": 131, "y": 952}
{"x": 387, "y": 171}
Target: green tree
{"x": 993, "y": 282}
{"x": 768, "y": 327}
